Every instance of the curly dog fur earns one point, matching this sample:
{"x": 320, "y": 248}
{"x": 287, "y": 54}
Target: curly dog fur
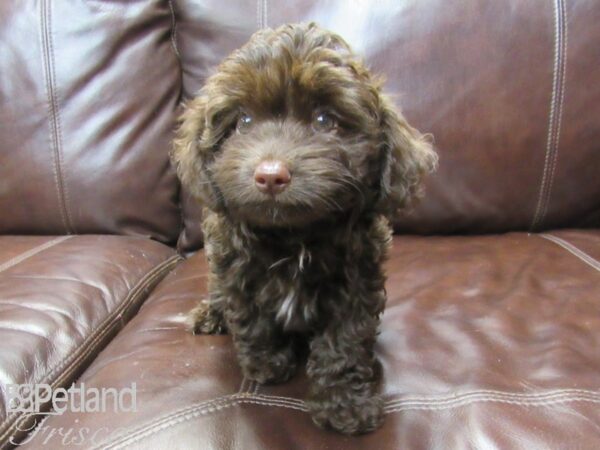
{"x": 300, "y": 270}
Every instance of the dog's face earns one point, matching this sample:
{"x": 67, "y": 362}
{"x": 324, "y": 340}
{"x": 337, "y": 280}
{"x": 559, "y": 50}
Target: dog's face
{"x": 292, "y": 129}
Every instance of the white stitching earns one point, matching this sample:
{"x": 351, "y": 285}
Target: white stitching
{"x": 174, "y": 29}
{"x": 491, "y": 392}
{"x": 211, "y": 406}
{"x": 415, "y": 403}
{"x": 258, "y": 15}
{"x": 31, "y": 252}
{"x": 555, "y": 117}
{"x": 181, "y": 237}
{"x": 277, "y": 399}
{"x": 258, "y": 401}
{"x": 47, "y": 78}
{"x": 509, "y": 397}
{"x": 549, "y": 140}
{"x": 202, "y": 409}
{"x": 242, "y": 386}
{"x": 595, "y": 264}
{"x": 169, "y": 419}
{"x": 564, "y": 32}
{"x": 446, "y": 402}
{"x": 54, "y": 116}
{"x": 464, "y": 402}
{"x": 59, "y": 136}
{"x": 265, "y": 18}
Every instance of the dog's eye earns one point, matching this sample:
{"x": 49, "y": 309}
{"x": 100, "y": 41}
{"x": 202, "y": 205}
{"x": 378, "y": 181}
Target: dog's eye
{"x": 323, "y": 121}
{"x": 244, "y": 123}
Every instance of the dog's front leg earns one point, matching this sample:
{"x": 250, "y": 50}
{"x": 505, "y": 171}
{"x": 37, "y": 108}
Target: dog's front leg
{"x": 206, "y": 318}
{"x": 344, "y": 375}
{"x": 264, "y": 355}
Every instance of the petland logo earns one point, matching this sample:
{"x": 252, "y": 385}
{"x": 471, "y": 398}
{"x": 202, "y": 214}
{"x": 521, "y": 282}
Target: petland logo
{"x": 33, "y": 399}
{"x": 36, "y": 401}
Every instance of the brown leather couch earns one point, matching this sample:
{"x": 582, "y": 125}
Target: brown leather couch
{"x": 491, "y": 337}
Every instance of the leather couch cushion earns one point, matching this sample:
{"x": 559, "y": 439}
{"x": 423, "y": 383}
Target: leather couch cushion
{"x": 61, "y": 300}
{"x": 508, "y": 89}
{"x": 88, "y": 92}
{"x": 487, "y": 342}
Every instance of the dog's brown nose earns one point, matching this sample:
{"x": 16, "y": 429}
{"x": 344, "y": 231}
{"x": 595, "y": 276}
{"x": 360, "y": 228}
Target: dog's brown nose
{"x": 272, "y": 177}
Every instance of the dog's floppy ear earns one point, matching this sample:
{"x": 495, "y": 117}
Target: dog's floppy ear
{"x": 406, "y": 156}
{"x": 193, "y": 150}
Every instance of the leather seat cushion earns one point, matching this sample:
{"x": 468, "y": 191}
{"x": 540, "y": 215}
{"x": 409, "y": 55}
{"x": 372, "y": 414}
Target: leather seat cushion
{"x": 61, "y": 300}
{"x": 487, "y": 342}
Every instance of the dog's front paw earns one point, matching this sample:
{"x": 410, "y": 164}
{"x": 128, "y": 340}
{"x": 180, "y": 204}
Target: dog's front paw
{"x": 346, "y": 411}
{"x": 270, "y": 368}
{"x": 205, "y": 320}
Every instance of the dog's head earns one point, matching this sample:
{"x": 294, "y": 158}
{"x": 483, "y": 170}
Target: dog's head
{"x": 293, "y": 129}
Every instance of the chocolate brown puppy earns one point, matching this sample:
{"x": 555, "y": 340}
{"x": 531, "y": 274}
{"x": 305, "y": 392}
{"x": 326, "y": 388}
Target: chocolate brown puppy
{"x": 300, "y": 161}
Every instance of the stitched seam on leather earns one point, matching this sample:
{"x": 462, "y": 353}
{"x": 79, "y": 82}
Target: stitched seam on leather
{"x": 31, "y": 252}
{"x": 490, "y": 392}
{"x": 465, "y": 402}
{"x": 174, "y": 29}
{"x": 161, "y": 422}
{"x": 138, "y": 290}
{"x": 258, "y": 15}
{"x": 47, "y": 75}
{"x": 201, "y": 408}
{"x": 87, "y": 347}
{"x": 509, "y": 397}
{"x": 220, "y": 403}
{"x": 562, "y": 84}
{"x": 554, "y": 119}
{"x": 182, "y": 232}
{"x": 208, "y": 404}
{"x": 265, "y": 17}
{"x": 589, "y": 260}
{"x": 242, "y": 386}
{"x": 247, "y": 386}
{"x": 102, "y": 330}
{"x": 54, "y": 116}
{"x": 541, "y": 195}
{"x": 99, "y": 333}
{"x": 258, "y": 401}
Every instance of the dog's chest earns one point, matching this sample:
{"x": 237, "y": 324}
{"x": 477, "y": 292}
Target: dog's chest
{"x": 291, "y": 313}
{"x": 292, "y": 289}
{"x": 295, "y": 304}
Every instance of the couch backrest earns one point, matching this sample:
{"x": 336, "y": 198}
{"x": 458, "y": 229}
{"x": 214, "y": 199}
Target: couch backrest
{"x": 88, "y": 93}
{"x": 509, "y": 89}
